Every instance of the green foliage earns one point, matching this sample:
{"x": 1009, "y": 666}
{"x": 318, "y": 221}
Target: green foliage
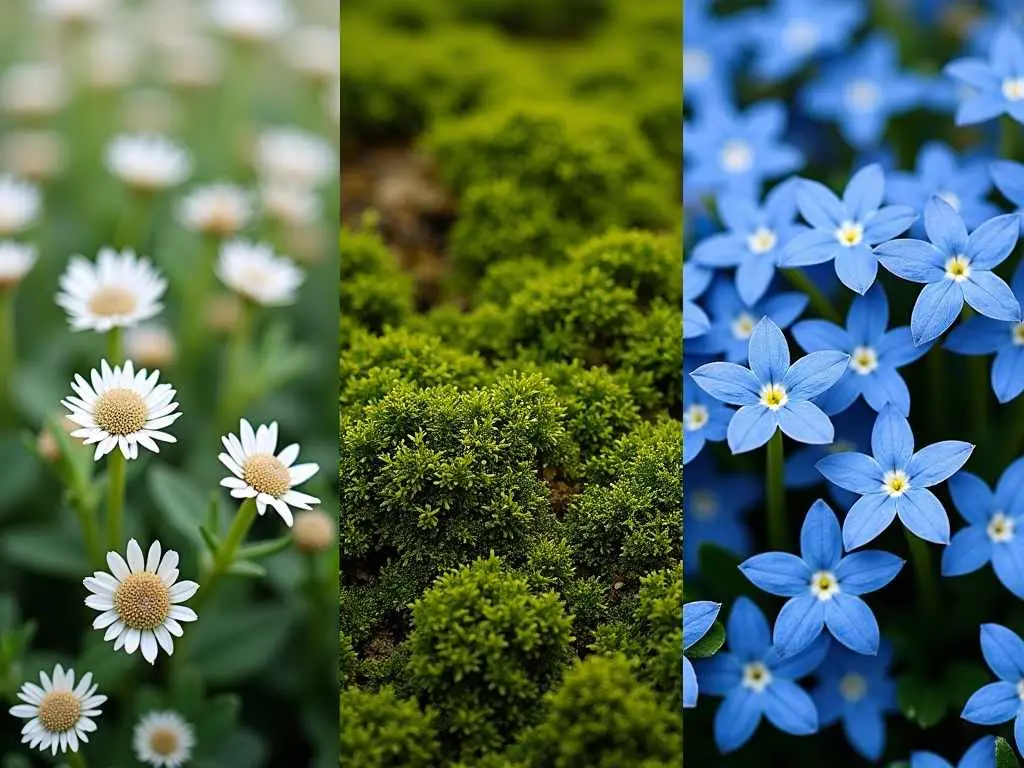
{"x": 1005, "y": 758}
{"x": 381, "y": 730}
{"x": 375, "y": 293}
{"x": 537, "y": 17}
{"x": 484, "y": 649}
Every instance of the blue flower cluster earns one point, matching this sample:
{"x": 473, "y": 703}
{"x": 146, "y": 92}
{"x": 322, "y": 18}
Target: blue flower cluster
{"x": 777, "y": 264}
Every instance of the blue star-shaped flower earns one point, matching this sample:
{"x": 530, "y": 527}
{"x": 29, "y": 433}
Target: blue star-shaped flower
{"x": 862, "y": 90}
{"x": 756, "y": 681}
{"x": 853, "y": 433}
{"x": 704, "y": 417}
{"x": 755, "y": 237}
{"x": 858, "y": 691}
{"x": 983, "y": 336}
{"x": 823, "y": 586}
{"x": 772, "y": 394}
{"x": 875, "y": 354}
{"x": 999, "y": 702}
{"x": 845, "y": 230}
{"x": 713, "y": 507}
{"x": 734, "y": 152}
{"x": 955, "y": 267}
{"x": 981, "y": 754}
{"x": 991, "y": 534}
{"x": 1008, "y": 177}
{"x": 697, "y": 620}
{"x": 709, "y": 55}
{"x": 695, "y": 282}
{"x": 895, "y": 481}
{"x": 997, "y": 85}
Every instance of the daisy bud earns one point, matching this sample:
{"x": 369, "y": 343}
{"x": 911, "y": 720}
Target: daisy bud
{"x": 313, "y": 531}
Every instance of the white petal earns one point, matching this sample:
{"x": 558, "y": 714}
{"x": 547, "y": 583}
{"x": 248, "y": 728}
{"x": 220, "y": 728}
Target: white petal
{"x": 300, "y": 473}
{"x": 149, "y": 647}
{"x": 153, "y": 559}
{"x": 182, "y": 613}
{"x": 135, "y": 559}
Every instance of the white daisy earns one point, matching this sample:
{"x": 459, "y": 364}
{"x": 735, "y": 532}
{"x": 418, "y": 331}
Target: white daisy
{"x": 16, "y": 259}
{"x": 216, "y": 209}
{"x": 250, "y": 20}
{"x": 122, "y": 409}
{"x": 253, "y": 270}
{"x": 292, "y": 204}
{"x": 315, "y": 51}
{"x": 150, "y": 345}
{"x": 148, "y": 162}
{"x": 59, "y": 713}
{"x": 119, "y": 290}
{"x": 33, "y": 154}
{"x": 33, "y": 89}
{"x": 140, "y": 600}
{"x": 259, "y": 473}
{"x": 19, "y": 205}
{"x": 293, "y": 156}
{"x": 164, "y": 739}
{"x": 74, "y": 11}
{"x": 191, "y": 62}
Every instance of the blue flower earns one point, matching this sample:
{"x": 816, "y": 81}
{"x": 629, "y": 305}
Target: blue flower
{"x": 772, "y": 394}
{"x": 733, "y": 152}
{"x": 991, "y": 534}
{"x": 999, "y": 702}
{"x": 862, "y": 90}
{"x": 697, "y": 620}
{"x": 858, "y": 691}
{"x": 955, "y": 268}
{"x": 823, "y": 586}
{"x": 1009, "y": 179}
{"x": 704, "y": 417}
{"x": 997, "y": 85}
{"x": 733, "y": 320}
{"x": 753, "y": 241}
{"x": 853, "y": 433}
{"x": 756, "y": 681}
{"x": 708, "y": 54}
{"x": 875, "y": 354}
{"x": 895, "y": 481}
{"x": 713, "y": 507}
{"x": 983, "y": 336}
{"x": 845, "y": 230}
{"x": 964, "y": 184}
{"x": 981, "y": 754}
{"x": 695, "y": 282}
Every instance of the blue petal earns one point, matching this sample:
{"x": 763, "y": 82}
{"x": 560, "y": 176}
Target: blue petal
{"x": 864, "y": 727}
{"x": 719, "y": 674}
{"x": 992, "y": 704}
{"x": 842, "y": 394}
{"x": 852, "y": 623}
{"x": 819, "y": 335}
{"x": 867, "y": 518}
{"x": 944, "y": 226}
{"x": 695, "y": 280}
{"x": 812, "y": 247}
{"x": 693, "y": 443}
{"x": 821, "y": 542}
{"x": 799, "y": 622}
{"x": 723, "y": 249}
{"x": 689, "y": 684}
{"x": 892, "y": 441}
{"x": 818, "y": 205}
{"x": 1008, "y": 564}
{"x": 979, "y": 108}
{"x": 972, "y": 497}
{"x": 753, "y": 278}
{"x": 1003, "y": 651}
{"x": 897, "y": 348}
{"x": 891, "y": 221}
{"x": 769, "y": 352}
{"x": 778, "y": 573}
{"x": 923, "y": 515}
{"x": 784, "y": 308}
{"x": 1010, "y": 488}
{"x": 864, "y": 192}
{"x": 937, "y": 462}
{"x": 747, "y": 630}
{"x": 935, "y": 310}
{"x": 695, "y": 321}
{"x": 1009, "y": 178}
{"x": 805, "y": 422}
{"x": 728, "y": 382}
{"x": 1006, "y": 51}
{"x": 1008, "y": 373}
{"x": 697, "y": 620}
{"x": 751, "y": 427}
{"x": 931, "y": 760}
{"x": 1018, "y": 731}
{"x": 914, "y": 260}
{"x": 868, "y": 316}
{"x": 788, "y": 707}
{"x": 885, "y": 386}
{"x": 973, "y": 71}
{"x": 801, "y": 664}
{"x": 969, "y": 549}
{"x": 862, "y": 572}
{"x": 981, "y": 754}
{"x": 990, "y": 244}
{"x": 737, "y": 719}
{"x": 852, "y": 471}
{"x": 979, "y": 336}
{"x": 857, "y": 267}
{"x": 990, "y": 296}
{"x": 814, "y": 373}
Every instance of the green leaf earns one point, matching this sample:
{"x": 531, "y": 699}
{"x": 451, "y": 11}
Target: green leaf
{"x": 1004, "y": 754}
{"x": 962, "y": 680}
{"x": 708, "y": 645}
{"x": 720, "y": 569}
{"x": 182, "y": 503}
{"x": 234, "y": 645}
{"x": 921, "y": 701}
{"x": 50, "y": 548}
{"x": 265, "y": 548}
{"x": 210, "y": 539}
{"x": 19, "y": 471}
{"x": 108, "y": 668}
{"x": 247, "y": 568}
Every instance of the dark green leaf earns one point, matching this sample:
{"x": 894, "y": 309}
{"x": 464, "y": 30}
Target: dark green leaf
{"x": 708, "y": 645}
{"x": 922, "y": 701}
{"x": 265, "y": 548}
{"x": 49, "y": 548}
{"x": 1004, "y": 754}
{"x": 232, "y": 646}
{"x": 182, "y": 503}
{"x": 247, "y": 568}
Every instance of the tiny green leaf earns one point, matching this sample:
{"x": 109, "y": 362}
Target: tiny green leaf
{"x": 1004, "y": 754}
{"x": 921, "y": 701}
{"x": 708, "y": 645}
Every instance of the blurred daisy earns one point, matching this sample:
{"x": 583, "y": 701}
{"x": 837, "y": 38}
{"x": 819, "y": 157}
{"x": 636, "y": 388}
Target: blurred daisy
{"x": 163, "y": 739}
{"x": 254, "y": 271}
{"x": 259, "y": 473}
{"x": 251, "y": 21}
{"x": 122, "y": 409}
{"x": 293, "y": 156}
{"x": 150, "y": 345}
{"x": 119, "y": 290}
{"x": 74, "y": 11}
{"x": 59, "y": 713}
{"x": 140, "y": 600}
{"x": 19, "y": 205}
{"x": 36, "y": 155}
{"x": 315, "y": 51}
{"x": 191, "y": 62}
{"x": 291, "y": 204}
{"x": 313, "y": 531}
{"x": 147, "y": 161}
{"x": 33, "y": 90}
{"x": 216, "y": 209}
{"x": 16, "y": 259}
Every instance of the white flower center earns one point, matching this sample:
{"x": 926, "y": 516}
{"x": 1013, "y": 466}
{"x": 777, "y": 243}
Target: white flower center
{"x": 695, "y": 417}
{"x": 1000, "y": 527}
{"x": 895, "y": 482}
{"x": 705, "y": 505}
{"x": 761, "y": 241}
{"x": 142, "y": 601}
{"x": 267, "y": 474}
{"x": 864, "y": 360}
{"x": 736, "y": 156}
{"x": 863, "y": 95}
{"x": 824, "y": 585}
{"x": 59, "y": 711}
{"x": 951, "y": 198}
{"x": 958, "y": 268}
{"x": 1013, "y": 88}
{"x": 1017, "y": 333}
{"x": 743, "y": 326}
{"x": 773, "y": 396}
{"x": 756, "y": 676}
{"x": 853, "y": 687}
{"x": 696, "y": 64}
{"x": 801, "y": 36}
{"x": 1020, "y": 689}
{"x": 850, "y": 233}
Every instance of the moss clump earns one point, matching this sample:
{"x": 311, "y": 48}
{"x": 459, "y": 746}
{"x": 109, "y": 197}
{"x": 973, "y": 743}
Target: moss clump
{"x": 375, "y": 293}
{"x": 541, "y": 18}
{"x": 485, "y": 648}
{"x": 381, "y": 730}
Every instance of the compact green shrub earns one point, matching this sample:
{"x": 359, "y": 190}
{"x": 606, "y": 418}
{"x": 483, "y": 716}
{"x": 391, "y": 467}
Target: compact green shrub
{"x": 485, "y": 648}
{"x": 603, "y": 717}
{"x": 381, "y": 730}
{"x": 648, "y": 263}
{"x": 537, "y": 17}
{"x": 375, "y": 292}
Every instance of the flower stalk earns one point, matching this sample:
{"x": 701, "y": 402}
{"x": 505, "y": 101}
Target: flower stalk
{"x": 236, "y": 355}
{"x": 8, "y": 356}
{"x": 777, "y": 535}
{"x": 822, "y": 303}
{"x": 115, "y": 345}
{"x": 922, "y": 559}
{"x": 116, "y": 481}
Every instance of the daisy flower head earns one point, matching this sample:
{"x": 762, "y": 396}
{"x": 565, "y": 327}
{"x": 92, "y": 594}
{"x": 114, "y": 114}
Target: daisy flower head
{"x": 122, "y": 408}
{"x": 34, "y": 154}
{"x": 75, "y": 11}
{"x": 19, "y": 205}
{"x": 291, "y": 204}
{"x": 254, "y": 271}
{"x": 315, "y": 51}
{"x": 163, "y": 739}
{"x": 33, "y": 90}
{"x": 119, "y": 290}
{"x": 16, "y": 259}
{"x": 140, "y": 600}
{"x": 294, "y": 156}
{"x": 216, "y": 209}
{"x": 259, "y": 472}
{"x": 147, "y": 162}
{"x": 251, "y": 21}
{"x": 150, "y": 345}
{"x": 59, "y": 713}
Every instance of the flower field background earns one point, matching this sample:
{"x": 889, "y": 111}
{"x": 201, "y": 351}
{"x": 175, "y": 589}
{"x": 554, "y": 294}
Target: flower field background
{"x": 510, "y": 384}
{"x": 167, "y": 203}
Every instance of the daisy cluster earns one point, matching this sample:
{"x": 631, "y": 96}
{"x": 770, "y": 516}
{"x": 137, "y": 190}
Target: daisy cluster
{"x": 852, "y": 195}
{"x": 157, "y": 238}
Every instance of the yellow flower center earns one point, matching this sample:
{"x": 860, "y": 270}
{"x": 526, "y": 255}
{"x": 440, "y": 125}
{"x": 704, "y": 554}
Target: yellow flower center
{"x": 142, "y": 601}
{"x": 864, "y": 360}
{"x": 1000, "y": 527}
{"x": 1018, "y": 334}
{"x": 743, "y": 326}
{"x": 163, "y": 741}
{"x": 895, "y": 482}
{"x": 853, "y": 687}
{"x": 120, "y": 411}
{"x": 863, "y": 95}
{"x": 695, "y": 417}
{"x": 267, "y": 474}
{"x": 762, "y": 240}
{"x": 824, "y": 585}
{"x": 59, "y": 711}
{"x": 756, "y": 676}
{"x": 773, "y": 396}
{"x": 958, "y": 268}
{"x": 110, "y": 301}
{"x": 850, "y": 233}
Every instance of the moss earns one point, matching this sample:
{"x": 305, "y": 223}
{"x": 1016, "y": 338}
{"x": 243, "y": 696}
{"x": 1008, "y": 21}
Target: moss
{"x": 381, "y": 730}
{"x": 375, "y": 293}
{"x": 537, "y": 17}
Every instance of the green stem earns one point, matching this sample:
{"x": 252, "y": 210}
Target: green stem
{"x": 231, "y": 400}
{"x": 8, "y": 356}
{"x": 937, "y": 402}
{"x": 922, "y": 560}
{"x": 115, "y": 345}
{"x": 1008, "y": 134}
{"x": 777, "y": 533}
{"x": 75, "y": 760}
{"x": 115, "y": 498}
{"x": 133, "y": 229}
{"x": 197, "y": 292}
{"x": 819, "y": 300}
{"x": 1016, "y": 437}
{"x": 90, "y": 532}
{"x": 979, "y": 395}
